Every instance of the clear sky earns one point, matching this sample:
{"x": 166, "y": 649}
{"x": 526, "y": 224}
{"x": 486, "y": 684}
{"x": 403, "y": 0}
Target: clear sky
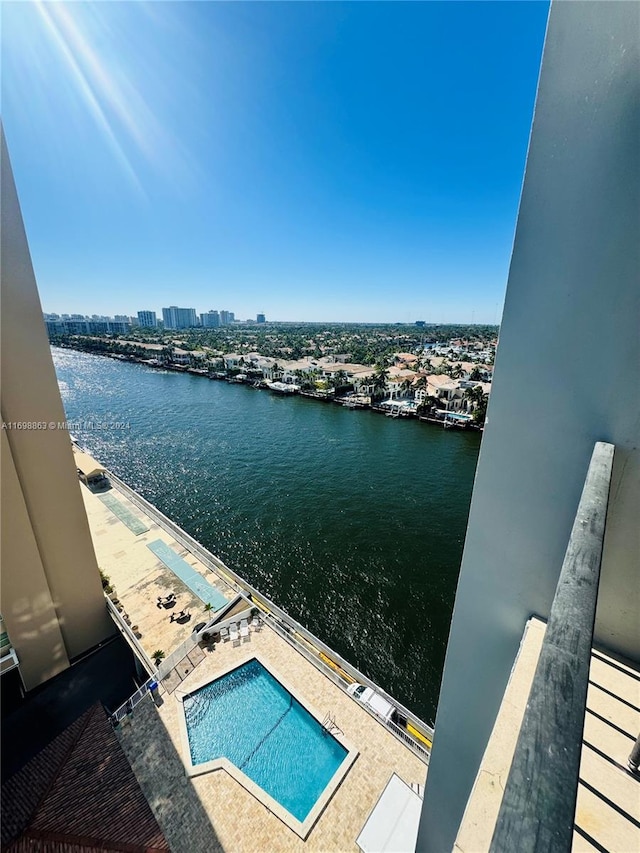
{"x": 318, "y": 161}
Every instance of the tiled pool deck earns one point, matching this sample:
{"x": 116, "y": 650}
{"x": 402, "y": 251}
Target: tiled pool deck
{"x": 241, "y": 822}
{"x": 140, "y": 577}
{"x": 214, "y": 811}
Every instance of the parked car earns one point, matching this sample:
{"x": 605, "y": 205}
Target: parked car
{"x": 373, "y": 700}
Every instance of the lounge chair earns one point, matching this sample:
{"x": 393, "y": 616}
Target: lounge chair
{"x": 233, "y": 632}
{"x": 224, "y": 633}
{"x": 244, "y": 629}
{"x": 256, "y": 622}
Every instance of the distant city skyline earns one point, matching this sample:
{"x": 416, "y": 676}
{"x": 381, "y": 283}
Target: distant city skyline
{"x": 257, "y": 319}
{"x": 171, "y": 316}
{"x": 328, "y": 162}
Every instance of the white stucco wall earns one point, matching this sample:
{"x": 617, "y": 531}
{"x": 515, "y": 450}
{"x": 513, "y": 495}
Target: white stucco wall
{"x": 567, "y": 374}
{"x": 52, "y": 599}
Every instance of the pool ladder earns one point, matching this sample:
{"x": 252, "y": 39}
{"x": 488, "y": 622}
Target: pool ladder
{"x": 329, "y": 725}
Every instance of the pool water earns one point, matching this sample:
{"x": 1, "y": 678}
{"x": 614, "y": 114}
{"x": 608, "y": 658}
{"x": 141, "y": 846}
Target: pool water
{"x": 248, "y": 717}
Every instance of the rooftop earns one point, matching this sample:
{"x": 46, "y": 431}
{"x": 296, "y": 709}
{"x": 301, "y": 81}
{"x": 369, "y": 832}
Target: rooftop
{"x": 79, "y": 793}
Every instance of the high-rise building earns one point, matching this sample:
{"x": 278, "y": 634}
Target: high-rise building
{"x": 52, "y": 606}
{"x": 210, "y": 320}
{"x": 147, "y": 319}
{"x": 570, "y": 352}
{"x": 179, "y": 318}
{"x": 261, "y": 318}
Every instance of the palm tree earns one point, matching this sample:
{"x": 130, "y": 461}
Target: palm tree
{"x": 427, "y": 405}
{"x": 477, "y": 400}
{"x": 379, "y": 380}
{"x": 340, "y": 379}
{"x": 480, "y": 414}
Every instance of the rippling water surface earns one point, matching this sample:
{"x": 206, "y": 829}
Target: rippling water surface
{"x": 352, "y": 522}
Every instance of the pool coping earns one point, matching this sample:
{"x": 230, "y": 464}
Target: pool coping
{"x": 301, "y": 828}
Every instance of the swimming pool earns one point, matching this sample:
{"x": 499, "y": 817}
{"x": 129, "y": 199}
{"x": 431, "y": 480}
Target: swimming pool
{"x": 249, "y": 718}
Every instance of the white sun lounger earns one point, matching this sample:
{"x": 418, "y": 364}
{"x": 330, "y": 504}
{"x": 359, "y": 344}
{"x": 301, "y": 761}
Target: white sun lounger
{"x": 233, "y": 632}
{"x": 256, "y": 622}
{"x": 224, "y": 633}
{"x": 244, "y": 629}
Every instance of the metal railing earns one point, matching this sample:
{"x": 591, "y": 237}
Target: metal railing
{"x": 9, "y": 660}
{"x": 180, "y": 653}
{"x": 177, "y": 655}
{"x": 130, "y": 636}
{"x": 127, "y": 707}
{"x": 539, "y": 801}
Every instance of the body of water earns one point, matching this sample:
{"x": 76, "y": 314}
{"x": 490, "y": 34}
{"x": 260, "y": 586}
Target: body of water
{"x": 351, "y": 522}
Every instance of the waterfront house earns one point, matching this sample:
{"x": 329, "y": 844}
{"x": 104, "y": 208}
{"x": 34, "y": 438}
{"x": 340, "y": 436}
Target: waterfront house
{"x": 233, "y": 361}
{"x": 353, "y": 372}
{"x": 446, "y": 390}
{"x": 400, "y": 383}
{"x": 270, "y": 368}
{"x": 181, "y": 357}
{"x": 363, "y": 382}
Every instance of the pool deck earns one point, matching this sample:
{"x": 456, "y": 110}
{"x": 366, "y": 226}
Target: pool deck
{"x": 140, "y": 577}
{"x": 239, "y": 820}
{"x": 214, "y": 811}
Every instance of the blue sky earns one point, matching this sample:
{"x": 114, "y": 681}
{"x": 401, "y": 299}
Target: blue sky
{"x": 318, "y": 161}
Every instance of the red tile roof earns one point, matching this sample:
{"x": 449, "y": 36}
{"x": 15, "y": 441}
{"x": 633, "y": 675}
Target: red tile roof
{"x": 79, "y": 795}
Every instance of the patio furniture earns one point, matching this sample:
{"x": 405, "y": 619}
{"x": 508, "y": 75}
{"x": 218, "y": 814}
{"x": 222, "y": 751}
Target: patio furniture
{"x": 224, "y": 634}
{"x": 244, "y": 629}
{"x": 256, "y": 622}
{"x": 233, "y": 633}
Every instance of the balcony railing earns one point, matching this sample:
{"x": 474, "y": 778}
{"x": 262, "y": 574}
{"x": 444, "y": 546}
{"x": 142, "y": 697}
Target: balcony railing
{"x": 539, "y": 801}
{"x": 8, "y": 660}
